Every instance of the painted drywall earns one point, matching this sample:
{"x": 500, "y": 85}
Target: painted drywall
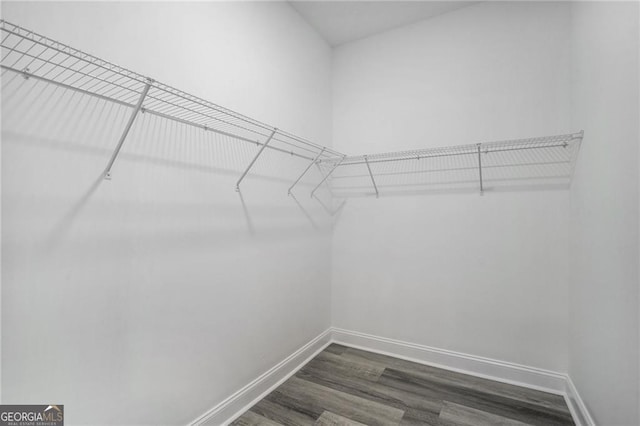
{"x": 150, "y": 298}
{"x": 604, "y": 211}
{"x": 484, "y": 275}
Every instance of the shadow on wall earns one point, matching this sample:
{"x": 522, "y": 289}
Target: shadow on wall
{"x": 57, "y": 142}
{"x": 61, "y": 229}
{"x": 246, "y": 214}
{"x": 304, "y": 211}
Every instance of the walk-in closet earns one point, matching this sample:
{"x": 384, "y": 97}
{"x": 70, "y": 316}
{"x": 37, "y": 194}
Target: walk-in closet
{"x": 320, "y": 213}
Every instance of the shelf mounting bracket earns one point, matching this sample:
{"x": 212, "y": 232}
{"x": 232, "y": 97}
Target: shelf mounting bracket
{"x": 480, "y": 168}
{"x": 127, "y": 128}
{"x": 306, "y": 170}
{"x": 328, "y": 174}
{"x": 264, "y": 145}
{"x": 366, "y": 160}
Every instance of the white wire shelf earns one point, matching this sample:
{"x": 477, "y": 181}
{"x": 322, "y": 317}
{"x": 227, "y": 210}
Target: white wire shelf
{"x": 541, "y": 161}
{"x": 491, "y": 165}
{"x": 32, "y": 55}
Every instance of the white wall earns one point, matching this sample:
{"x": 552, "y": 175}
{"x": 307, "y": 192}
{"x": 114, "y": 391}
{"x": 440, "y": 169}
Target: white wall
{"x": 159, "y": 293}
{"x": 604, "y": 211}
{"x": 147, "y": 299}
{"x": 484, "y": 275}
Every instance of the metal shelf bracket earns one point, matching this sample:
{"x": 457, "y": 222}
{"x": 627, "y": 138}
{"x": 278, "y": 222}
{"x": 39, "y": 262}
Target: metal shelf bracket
{"x": 371, "y": 174}
{"x": 480, "y": 168}
{"x": 306, "y": 170}
{"x": 264, "y": 145}
{"x": 127, "y": 128}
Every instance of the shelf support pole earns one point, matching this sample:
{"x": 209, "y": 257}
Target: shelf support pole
{"x": 264, "y": 145}
{"x": 327, "y": 176}
{"x": 306, "y": 170}
{"x": 127, "y": 128}
{"x": 480, "y": 168}
{"x": 366, "y": 160}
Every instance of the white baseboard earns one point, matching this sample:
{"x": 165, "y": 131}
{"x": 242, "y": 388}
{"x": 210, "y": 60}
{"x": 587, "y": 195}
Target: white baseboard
{"x": 576, "y": 405}
{"x": 228, "y": 410}
{"x": 520, "y": 375}
{"x": 501, "y": 371}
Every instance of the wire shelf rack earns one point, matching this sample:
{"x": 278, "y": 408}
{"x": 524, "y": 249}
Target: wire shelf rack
{"x": 31, "y": 55}
{"x": 490, "y": 165}
{"x": 541, "y": 161}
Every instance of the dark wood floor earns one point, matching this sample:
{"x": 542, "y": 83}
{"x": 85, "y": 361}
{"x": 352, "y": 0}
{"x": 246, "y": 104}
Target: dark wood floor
{"x": 344, "y": 386}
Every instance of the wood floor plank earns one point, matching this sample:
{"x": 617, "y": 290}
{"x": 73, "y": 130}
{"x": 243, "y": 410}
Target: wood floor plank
{"x": 423, "y": 385}
{"x": 321, "y": 398}
{"x": 336, "y": 348}
{"x": 413, "y": 421}
{"x": 423, "y": 408}
{"x": 332, "y": 419}
{"x": 364, "y": 369}
{"x": 420, "y": 417}
{"x": 249, "y": 418}
{"x": 531, "y": 396}
{"x": 307, "y": 408}
{"x": 282, "y": 415}
{"x": 343, "y": 384}
{"x": 459, "y": 415}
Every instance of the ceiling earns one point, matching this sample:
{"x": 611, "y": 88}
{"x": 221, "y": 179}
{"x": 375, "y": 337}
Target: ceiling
{"x": 340, "y": 22}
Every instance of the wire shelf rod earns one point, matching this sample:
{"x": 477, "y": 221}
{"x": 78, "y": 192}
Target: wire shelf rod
{"x": 188, "y": 114}
{"x": 480, "y": 167}
{"x": 223, "y": 133}
{"x": 75, "y": 53}
{"x": 345, "y": 188}
{"x": 5, "y": 38}
{"x": 66, "y": 86}
{"x": 206, "y": 115}
{"x": 77, "y": 72}
{"x": 158, "y": 114}
{"x": 12, "y": 49}
{"x": 355, "y": 161}
{"x": 132, "y": 118}
{"x": 20, "y": 57}
{"x": 205, "y": 104}
{"x": 31, "y": 55}
{"x": 109, "y": 70}
{"x": 563, "y": 145}
{"x": 450, "y": 169}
